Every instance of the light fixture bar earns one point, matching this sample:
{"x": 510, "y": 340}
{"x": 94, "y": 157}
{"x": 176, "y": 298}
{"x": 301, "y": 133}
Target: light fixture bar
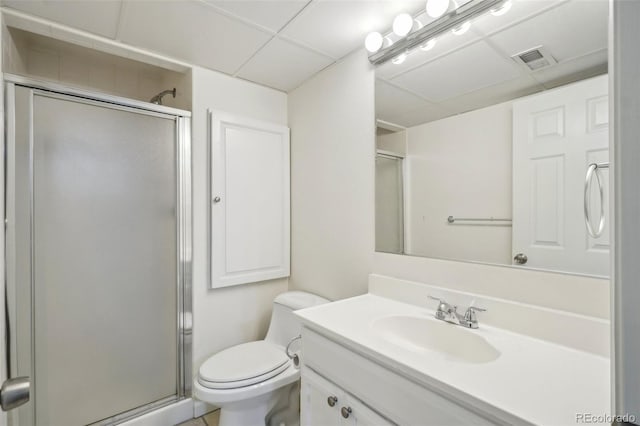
{"x": 441, "y": 25}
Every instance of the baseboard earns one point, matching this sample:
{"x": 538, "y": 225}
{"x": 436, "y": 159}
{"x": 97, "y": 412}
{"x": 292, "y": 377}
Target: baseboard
{"x": 201, "y": 408}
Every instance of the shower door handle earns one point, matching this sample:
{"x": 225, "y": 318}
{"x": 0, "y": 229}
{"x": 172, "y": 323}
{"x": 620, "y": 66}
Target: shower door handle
{"x": 14, "y": 393}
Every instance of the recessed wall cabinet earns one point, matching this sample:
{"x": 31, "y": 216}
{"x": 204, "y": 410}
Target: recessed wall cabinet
{"x": 249, "y": 200}
{"x": 368, "y": 393}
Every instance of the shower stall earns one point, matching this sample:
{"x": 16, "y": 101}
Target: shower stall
{"x": 389, "y": 209}
{"x": 98, "y": 254}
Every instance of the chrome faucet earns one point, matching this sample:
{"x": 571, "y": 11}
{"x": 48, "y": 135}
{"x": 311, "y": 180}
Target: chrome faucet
{"x": 449, "y": 313}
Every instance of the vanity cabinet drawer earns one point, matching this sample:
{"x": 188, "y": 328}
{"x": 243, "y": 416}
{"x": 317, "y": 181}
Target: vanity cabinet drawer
{"x": 390, "y": 394}
{"x": 324, "y": 404}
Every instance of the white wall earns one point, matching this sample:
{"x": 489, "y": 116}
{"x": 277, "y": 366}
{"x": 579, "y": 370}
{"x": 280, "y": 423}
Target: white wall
{"x": 226, "y": 316}
{"x": 460, "y": 166}
{"x": 332, "y": 156}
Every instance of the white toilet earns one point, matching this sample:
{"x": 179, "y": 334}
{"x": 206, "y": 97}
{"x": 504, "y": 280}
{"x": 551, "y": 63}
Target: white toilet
{"x": 256, "y": 383}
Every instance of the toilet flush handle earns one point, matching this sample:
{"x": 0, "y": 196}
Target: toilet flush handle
{"x": 294, "y": 357}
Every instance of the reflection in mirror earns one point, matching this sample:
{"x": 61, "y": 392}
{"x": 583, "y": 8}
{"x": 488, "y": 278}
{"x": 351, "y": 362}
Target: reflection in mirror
{"x": 484, "y": 141}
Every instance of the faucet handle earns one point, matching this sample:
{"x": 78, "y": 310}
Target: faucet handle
{"x": 441, "y": 302}
{"x": 443, "y": 306}
{"x": 470, "y": 316}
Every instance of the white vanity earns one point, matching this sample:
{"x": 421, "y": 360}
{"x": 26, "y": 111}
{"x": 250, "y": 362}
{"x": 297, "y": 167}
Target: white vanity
{"x": 372, "y": 360}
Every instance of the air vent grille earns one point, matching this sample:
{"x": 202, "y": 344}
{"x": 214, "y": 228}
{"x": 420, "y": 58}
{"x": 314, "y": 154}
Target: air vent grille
{"x": 534, "y": 59}
{"x": 531, "y": 56}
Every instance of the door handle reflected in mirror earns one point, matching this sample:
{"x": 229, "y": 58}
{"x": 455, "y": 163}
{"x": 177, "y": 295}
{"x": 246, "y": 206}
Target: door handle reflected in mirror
{"x": 520, "y": 259}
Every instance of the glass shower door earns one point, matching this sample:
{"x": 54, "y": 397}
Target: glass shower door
{"x": 389, "y": 204}
{"x": 95, "y": 222}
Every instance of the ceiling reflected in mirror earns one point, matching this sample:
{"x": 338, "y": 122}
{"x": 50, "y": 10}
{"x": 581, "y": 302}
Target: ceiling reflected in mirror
{"x": 484, "y": 66}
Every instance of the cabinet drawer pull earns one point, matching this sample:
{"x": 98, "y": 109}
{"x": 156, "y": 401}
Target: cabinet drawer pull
{"x": 332, "y": 401}
{"x": 346, "y": 411}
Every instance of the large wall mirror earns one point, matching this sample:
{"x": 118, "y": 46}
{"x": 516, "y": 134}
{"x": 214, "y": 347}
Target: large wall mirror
{"x": 485, "y": 141}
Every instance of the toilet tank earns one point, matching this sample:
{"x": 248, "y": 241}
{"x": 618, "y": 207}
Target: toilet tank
{"x": 284, "y": 325}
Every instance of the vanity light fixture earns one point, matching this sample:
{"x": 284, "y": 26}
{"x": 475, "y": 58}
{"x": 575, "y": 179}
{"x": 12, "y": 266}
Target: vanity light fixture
{"x": 437, "y": 8}
{"x": 399, "y": 59}
{"x": 428, "y": 45}
{"x": 461, "y": 29}
{"x": 402, "y": 24}
{"x": 400, "y": 42}
{"x": 373, "y": 42}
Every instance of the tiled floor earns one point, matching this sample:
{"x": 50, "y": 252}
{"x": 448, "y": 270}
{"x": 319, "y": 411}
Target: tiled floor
{"x": 210, "y": 419}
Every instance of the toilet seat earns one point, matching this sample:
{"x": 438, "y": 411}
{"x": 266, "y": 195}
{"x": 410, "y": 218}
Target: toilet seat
{"x": 243, "y": 365}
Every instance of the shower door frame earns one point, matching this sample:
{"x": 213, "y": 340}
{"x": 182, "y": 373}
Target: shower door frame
{"x": 183, "y": 232}
{"x": 389, "y": 155}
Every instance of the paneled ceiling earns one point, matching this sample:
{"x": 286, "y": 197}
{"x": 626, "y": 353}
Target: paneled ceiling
{"x": 473, "y": 70}
{"x": 277, "y": 43}
{"x": 282, "y": 43}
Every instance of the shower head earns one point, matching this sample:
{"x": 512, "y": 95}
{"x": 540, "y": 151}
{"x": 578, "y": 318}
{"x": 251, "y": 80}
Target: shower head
{"x": 157, "y": 99}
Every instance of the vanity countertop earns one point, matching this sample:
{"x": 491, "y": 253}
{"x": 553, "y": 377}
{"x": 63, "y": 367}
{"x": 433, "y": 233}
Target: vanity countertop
{"x": 536, "y": 381}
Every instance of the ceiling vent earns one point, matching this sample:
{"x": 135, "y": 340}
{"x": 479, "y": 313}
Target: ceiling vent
{"x": 534, "y": 59}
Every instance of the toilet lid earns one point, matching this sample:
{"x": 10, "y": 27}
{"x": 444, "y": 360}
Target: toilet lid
{"x": 254, "y": 360}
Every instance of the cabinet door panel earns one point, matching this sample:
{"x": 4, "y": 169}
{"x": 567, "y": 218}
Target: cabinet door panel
{"x": 315, "y": 408}
{"x": 362, "y": 415}
{"x": 249, "y": 200}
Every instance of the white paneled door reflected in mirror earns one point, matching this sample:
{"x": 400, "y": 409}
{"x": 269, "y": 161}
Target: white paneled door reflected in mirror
{"x": 493, "y": 132}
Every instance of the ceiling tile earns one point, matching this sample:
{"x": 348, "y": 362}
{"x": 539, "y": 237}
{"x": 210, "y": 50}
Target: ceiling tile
{"x": 421, "y": 115}
{"x": 390, "y": 98}
{"x": 502, "y": 92}
{"x": 574, "y": 70}
{"x": 192, "y": 31}
{"x": 95, "y": 16}
{"x": 520, "y": 10}
{"x": 269, "y": 14}
{"x": 283, "y": 65}
{"x": 460, "y": 72}
{"x": 445, "y": 44}
{"x": 398, "y": 106}
{"x": 571, "y": 30}
{"x": 336, "y": 27}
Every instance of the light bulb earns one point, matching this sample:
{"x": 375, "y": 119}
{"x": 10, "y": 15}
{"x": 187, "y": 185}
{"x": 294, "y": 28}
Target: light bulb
{"x": 402, "y": 24}
{"x": 373, "y": 42}
{"x": 461, "y": 29}
{"x": 437, "y": 8}
{"x": 428, "y": 45}
{"x": 399, "y": 59}
{"x": 502, "y": 9}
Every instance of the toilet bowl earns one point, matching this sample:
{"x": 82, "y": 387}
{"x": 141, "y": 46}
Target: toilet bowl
{"x": 255, "y": 383}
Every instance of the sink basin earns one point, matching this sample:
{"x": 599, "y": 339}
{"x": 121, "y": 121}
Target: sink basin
{"x": 424, "y": 334}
